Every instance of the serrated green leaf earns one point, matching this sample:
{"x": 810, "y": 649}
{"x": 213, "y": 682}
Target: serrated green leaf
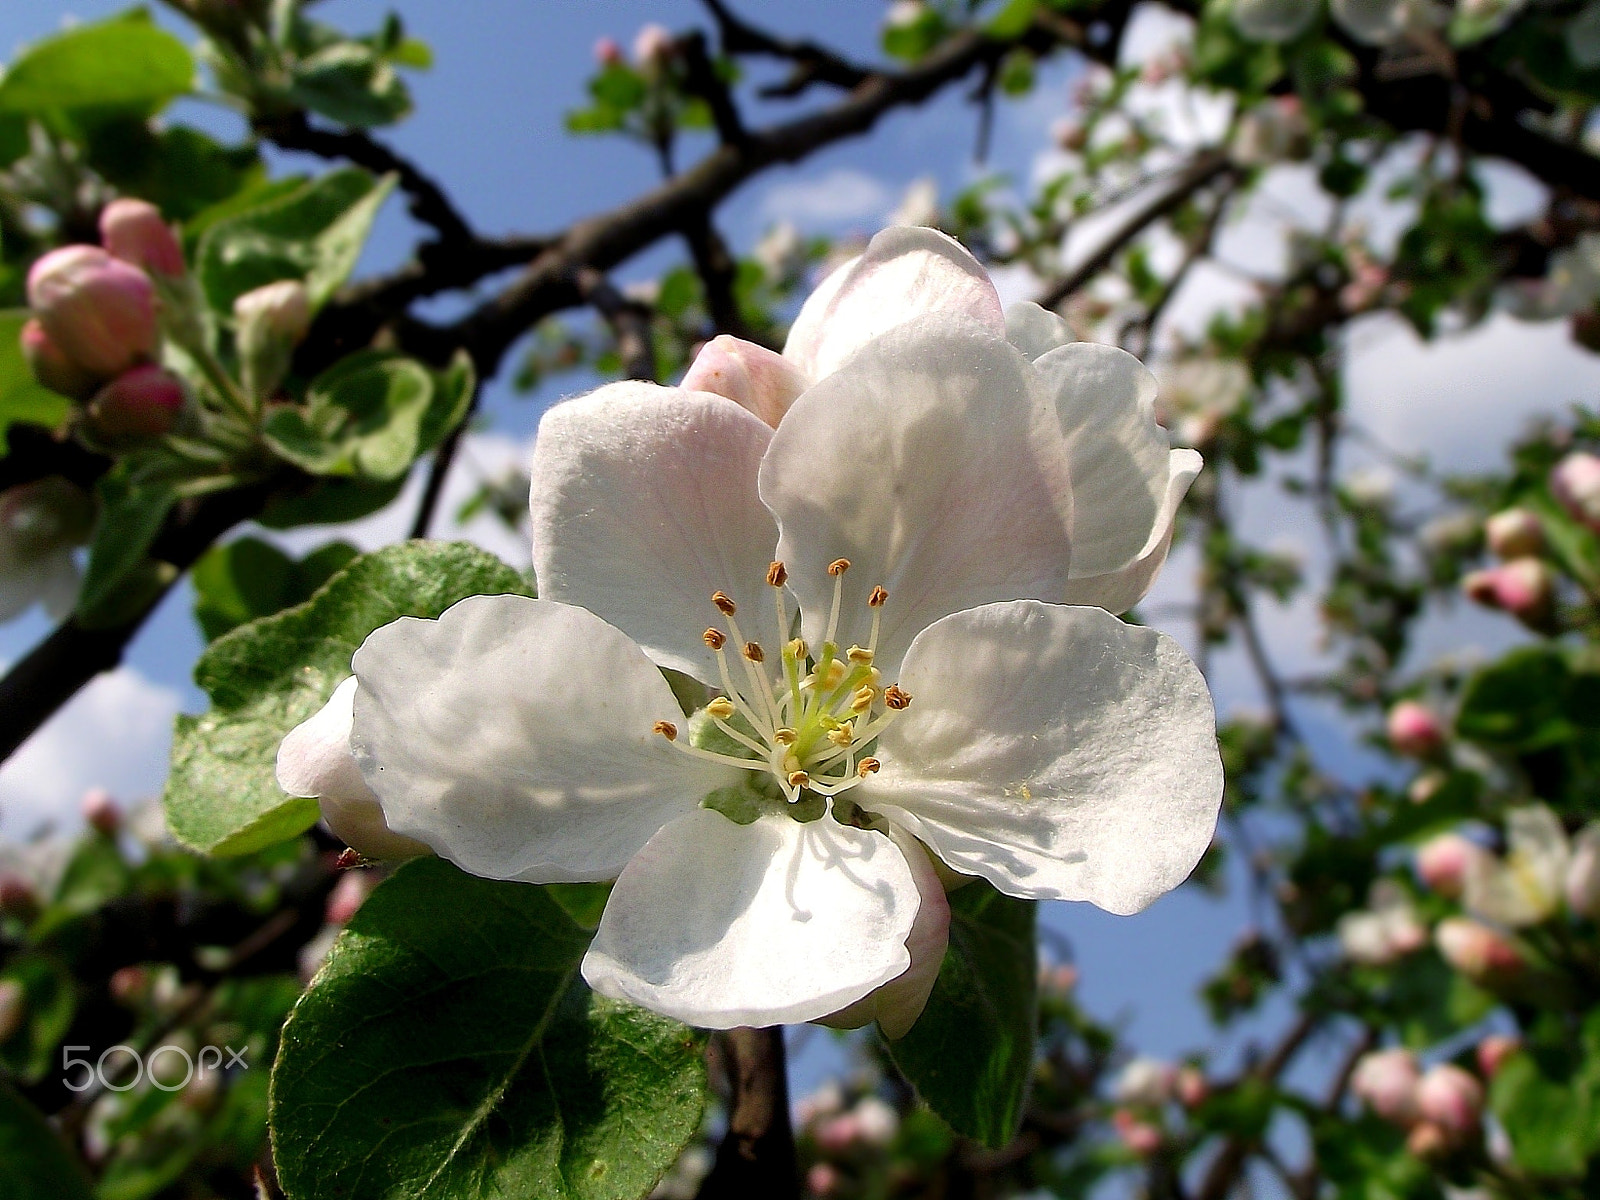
{"x": 266, "y": 677}
{"x": 33, "y": 1159}
{"x": 449, "y": 1050}
{"x": 23, "y": 400}
{"x": 970, "y": 1054}
{"x": 248, "y": 578}
{"x": 313, "y": 233}
{"x": 125, "y": 65}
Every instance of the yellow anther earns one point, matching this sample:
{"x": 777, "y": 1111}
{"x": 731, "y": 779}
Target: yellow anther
{"x": 724, "y": 603}
{"x": 828, "y": 722}
{"x": 838, "y": 566}
{"x": 722, "y": 708}
{"x": 784, "y": 736}
{"x": 714, "y": 638}
{"x": 777, "y": 574}
{"x": 879, "y": 597}
{"x": 754, "y": 652}
{"x": 667, "y": 730}
{"x": 859, "y": 655}
{"x": 895, "y": 697}
{"x": 868, "y": 766}
{"x": 797, "y": 650}
{"x": 798, "y": 779}
{"x": 863, "y": 698}
{"x": 844, "y": 735}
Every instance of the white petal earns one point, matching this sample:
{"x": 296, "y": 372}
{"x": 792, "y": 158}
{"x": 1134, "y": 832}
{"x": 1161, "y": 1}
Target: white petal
{"x": 644, "y": 504}
{"x": 1118, "y": 591}
{"x": 1526, "y": 886}
{"x": 906, "y": 273}
{"x": 1054, "y": 751}
{"x": 897, "y": 1004}
{"x": 753, "y": 377}
{"x": 1035, "y": 330}
{"x": 932, "y": 463}
{"x": 514, "y": 737}
{"x": 315, "y": 760}
{"x": 1106, "y": 402}
{"x": 770, "y": 923}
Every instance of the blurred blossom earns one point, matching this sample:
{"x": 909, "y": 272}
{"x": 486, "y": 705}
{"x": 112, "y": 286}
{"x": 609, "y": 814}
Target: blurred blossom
{"x": 781, "y": 252}
{"x": 1583, "y": 873}
{"x": 608, "y": 52}
{"x": 1273, "y": 20}
{"x": 1140, "y": 1136}
{"x": 1387, "y": 929}
{"x": 1145, "y": 1082}
{"x": 1514, "y": 533}
{"x": 1196, "y": 394}
{"x": 1386, "y": 1081}
{"x": 1523, "y": 587}
{"x": 1493, "y": 1051}
{"x": 41, "y": 524}
{"x": 1477, "y": 951}
{"x": 919, "y": 205}
{"x": 1525, "y": 887}
{"x": 1415, "y": 729}
{"x": 136, "y": 232}
{"x": 1452, "y": 1099}
{"x": 1444, "y": 861}
{"x": 1575, "y": 481}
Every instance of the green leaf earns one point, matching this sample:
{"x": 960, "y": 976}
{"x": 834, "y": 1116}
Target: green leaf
{"x": 266, "y": 677}
{"x": 179, "y": 170}
{"x": 122, "y": 578}
{"x": 371, "y": 415}
{"x": 329, "y": 501}
{"x": 49, "y": 998}
{"x": 1548, "y": 1113}
{"x": 313, "y": 233}
{"x": 1526, "y": 701}
{"x": 1013, "y": 20}
{"x": 970, "y": 1054}
{"x": 126, "y": 65}
{"x": 248, "y": 578}
{"x": 449, "y": 1049}
{"x": 351, "y": 84}
{"x": 34, "y": 1161}
{"x": 23, "y": 400}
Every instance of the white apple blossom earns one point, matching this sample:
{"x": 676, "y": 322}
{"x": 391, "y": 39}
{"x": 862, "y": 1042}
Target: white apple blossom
{"x": 1526, "y": 886}
{"x": 864, "y": 547}
{"x": 1386, "y": 930}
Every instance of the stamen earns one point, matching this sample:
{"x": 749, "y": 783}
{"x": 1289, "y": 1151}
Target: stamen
{"x": 896, "y": 698}
{"x": 859, "y": 655}
{"x": 798, "y": 779}
{"x": 863, "y": 699}
{"x": 754, "y": 652}
{"x": 843, "y": 736}
{"x": 777, "y": 575}
{"x": 784, "y": 736}
{"x": 797, "y": 650}
{"x": 721, "y": 708}
{"x": 667, "y": 730}
{"x": 747, "y": 742}
{"x": 868, "y": 766}
{"x": 879, "y": 597}
{"x": 724, "y": 603}
{"x": 714, "y": 638}
{"x": 838, "y": 567}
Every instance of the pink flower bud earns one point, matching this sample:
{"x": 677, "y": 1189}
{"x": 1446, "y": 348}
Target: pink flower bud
{"x": 100, "y": 311}
{"x": 1493, "y": 1052}
{"x": 822, "y": 1179}
{"x": 1143, "y": 1138}
{"x": 269, "y": 323}
{"x": 1575, "y": 481}
{"x": 138, "y": 404}
{"x": 53, "y": 368}
{"x": 652, "y": 47}
{"x": 1452, "y": 1099}
{"x": 1583, "y": 873}
{"x": 751, "y": 376}
{"x": 129, "y": 985}
{"x": 607, "y": 52}
{"x": 1523, "y": 587}
{"x": 100, "y": 811}
{"x": 838, "y": 1134}
{"x": 1414, "y": 729}
{"x": 1476, "y": 950}
{"x": 1386, "y": 1081}
{"x": 1443, "y": 862}
{"x": 1191, "y": 1087}
{"x": 136, "y": 233}
{"x": 348, "y": 895}
{"x": 1514, "y": 533}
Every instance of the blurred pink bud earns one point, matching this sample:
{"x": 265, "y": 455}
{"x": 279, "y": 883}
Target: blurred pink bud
{"x": 1141, "y": 1137}
{"x": 1514, "y": 533}
{"x": 1583, "y": 873}
{"x": 13, "y": 1008}
{"x": 138, "y": 404}
{"x": 129, "y": 985}
{"x": 1191, "y": 1087}
{"x": 1443, "y": 862}
{"x": 279, "y": 312}
{"x": 1386, "y": 1081}
{"x": 652, "y": 47}
{"x": 53, "y": 368}
{"x": 1427, "y": 1141}
{"x": 348, "y": 895}
{"x": 760, "y": 380}
{"x": 822, "y": 1179}
{"x": 1414, "y": 729}
{"x": 101, "y": 811}
{"x": 1494, "y": 1050}
{"x": 1476, "y": 950}
{"x": 99, "y": 310}
{"x": 135, "y": 232}
{"x": 1061, "y": 978}
{"x": 1575, "y": 481}
{"x": 1451, "y": 1099}
{"x": 838, "y": 1134}
{"x": 1367, "y": 281}
{"x": 1523, "y": 587}
{"x": 607, "y": 52}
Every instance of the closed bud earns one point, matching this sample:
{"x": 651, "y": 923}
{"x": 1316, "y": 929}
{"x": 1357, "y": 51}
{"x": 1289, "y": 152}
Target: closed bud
{"x": 1575, "y": 481}
{"x": 1523, "y": 587}
{"x": 1141, "y": 1137}
{"x": 138, "y": 404}
{"x": 99, "y": 310}
{"x": 653, "y": 48}
{"x": 1386, "y": 1082}
{"x": 269, "y": 323}
{"x": 135, "y": 232}
{"x": 1452, "y": 1099}
{"x": 348, "y": 895}
{"x": 1443, "y": 862}
{"x": 755, "y": 378}
{"x": 1583, "y": 874}
{"x": 1427, "y": 1141}
{"x": 1514, "y": 533}
{"x": 607, "y": 52}
{"x": 1494, "y": 1050}
{"x": 1415, "y": 729}
{"x": 51, "y": 367}
{"x": 100, "y": 811}
{"x": 1191, "y": 1087}
{"x": 1477, "y": 951}
{"x": 1145, "y": 1082}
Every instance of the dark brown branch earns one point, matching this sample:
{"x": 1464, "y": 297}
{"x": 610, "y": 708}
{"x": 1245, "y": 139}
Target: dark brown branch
{"x": 629, "y": 321}
{"x": 718, "y": 271}
{"x": 813, "y": 63}
{"x": 444, "y": 457}
{"x": 756, "y": 1156}
{"x": 701, "y": 78}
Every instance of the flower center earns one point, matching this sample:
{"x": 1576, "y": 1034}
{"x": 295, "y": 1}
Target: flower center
{"x": 803, "y": 721}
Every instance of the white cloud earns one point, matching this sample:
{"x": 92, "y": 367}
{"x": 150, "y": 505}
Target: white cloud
{"x": 841, "y": 195}
{"x": 116, "y": 732}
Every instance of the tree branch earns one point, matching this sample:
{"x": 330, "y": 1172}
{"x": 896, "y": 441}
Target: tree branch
{"x": 813, "y": 63}
{"x": 756, "y": 1156}
{"x": 629, "y": 321}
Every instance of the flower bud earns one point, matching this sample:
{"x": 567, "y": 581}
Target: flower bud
{"x": 653, "y": 48}
{"x": 607, "y": 52}
{"x": 1575, "y": 482}
{"x": 17, "y": 897}
{"x": 1427, "y": 1141}
{"x": 100, "y": 811}
{"x": 348, "y": 895}
{"x": 129, "y": 986}
{"x": 1494, "y": 1050}
{"x": 1414, "y": 729}
{"x": 135, "y": 232}
{"x": 1477, "y": 951}
{"x": 1142, "y": 1137}
{"x": 1443, "y": 862}
{"x": 1583, "y": 873}
{"x": 1514, "y": 533}
{"x": 137, "y": 405}
{"x": 822, "y": 1179}
{"x": 270, "y": 322}
{"x": 1386, "y": 1081}
{"x": 1146, "y": 1082}
{"x": 13, "y": 1008}
{"x": 1523, "y": 587}
{"x": 755, "y": 378}
{"x": 53, "y": 368}
{"x": 100, "y": 311}
{"x": 1452, "y": 1099}
{"x": 1191, "y": 1087}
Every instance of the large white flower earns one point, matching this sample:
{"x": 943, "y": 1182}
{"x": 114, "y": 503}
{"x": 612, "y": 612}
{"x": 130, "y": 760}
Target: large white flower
{"x": 864, "y": 557}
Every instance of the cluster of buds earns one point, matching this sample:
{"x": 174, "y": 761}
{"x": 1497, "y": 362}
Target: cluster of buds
{"x": 653, "y": 50}
{"x": 96, "y": 326}
{"x": 1441, "y": 1109}
{"x": 1524, "y": 588}
{"x": 1141, "y": 1093}
{"x": 1368, "y": 281}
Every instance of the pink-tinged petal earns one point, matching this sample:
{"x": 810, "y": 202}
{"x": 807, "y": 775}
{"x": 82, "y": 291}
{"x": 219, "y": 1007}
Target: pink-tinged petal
{"x": 515, "y": 737}
{"x": 770, "y": 923}
{"x": 1118, "y": 591}
{"x": 753, "y": 377}
{"x": 906, "y": 273}
{"x": 1054, "y": 751}
{"x": 644, "y": 504}
{"x": 932, "y": 463}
